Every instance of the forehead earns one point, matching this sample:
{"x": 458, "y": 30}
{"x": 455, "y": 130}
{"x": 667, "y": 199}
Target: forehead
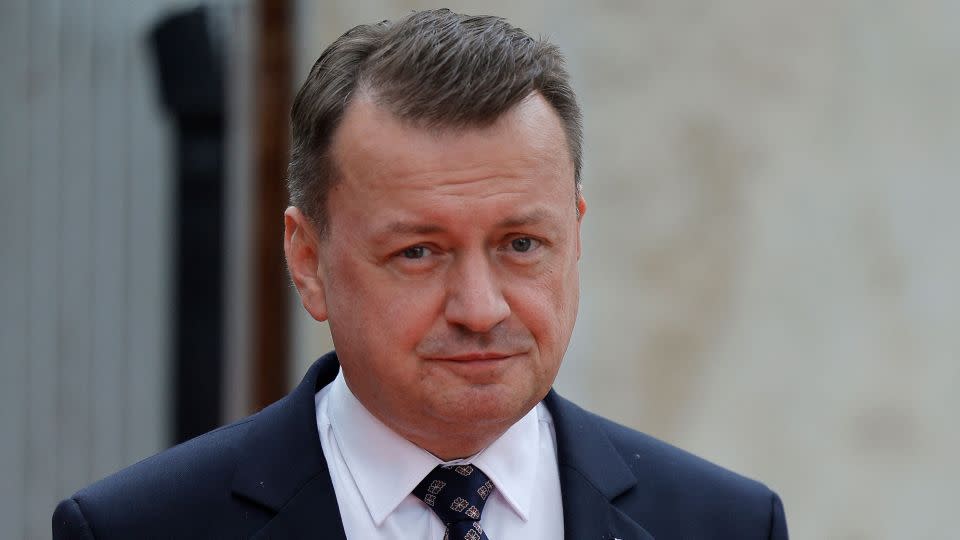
{"x": 373, "y": 149}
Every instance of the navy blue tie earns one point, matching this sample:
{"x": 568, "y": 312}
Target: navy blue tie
{"x": 457, "y": 495}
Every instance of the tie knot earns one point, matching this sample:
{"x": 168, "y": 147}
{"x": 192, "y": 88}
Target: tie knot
{"x": 456, "y": 494}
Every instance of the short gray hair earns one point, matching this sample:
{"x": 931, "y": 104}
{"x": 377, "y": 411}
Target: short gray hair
{"x": 435, "y": 68}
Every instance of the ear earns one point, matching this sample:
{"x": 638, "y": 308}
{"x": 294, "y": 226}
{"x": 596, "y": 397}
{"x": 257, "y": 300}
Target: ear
{"x": 581, "y": 210}
{"x": 301, "y": 245}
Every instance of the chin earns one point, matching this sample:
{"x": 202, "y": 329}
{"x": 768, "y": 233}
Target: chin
{"x": 490, "y": 405}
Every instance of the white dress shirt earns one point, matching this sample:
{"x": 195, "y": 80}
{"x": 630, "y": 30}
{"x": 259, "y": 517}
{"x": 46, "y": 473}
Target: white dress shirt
{"x": 374, "y": 471}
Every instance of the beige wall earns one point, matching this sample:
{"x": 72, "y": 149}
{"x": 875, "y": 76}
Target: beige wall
{"x": 769, "y": 276}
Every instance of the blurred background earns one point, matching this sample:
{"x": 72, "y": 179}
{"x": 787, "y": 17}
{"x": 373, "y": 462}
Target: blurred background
{"x": 770, "y": 254}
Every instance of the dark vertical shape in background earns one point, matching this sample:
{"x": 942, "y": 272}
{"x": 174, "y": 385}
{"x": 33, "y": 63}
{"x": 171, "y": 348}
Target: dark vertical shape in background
{"x": 273, "y": 95}
{"x": 192, "y": 89}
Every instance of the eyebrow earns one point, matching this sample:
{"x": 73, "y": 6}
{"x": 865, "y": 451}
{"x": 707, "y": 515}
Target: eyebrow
{"x": 413, "y": 228}
{"x": 530, "y": 218}
{"x": 406, "y": 229}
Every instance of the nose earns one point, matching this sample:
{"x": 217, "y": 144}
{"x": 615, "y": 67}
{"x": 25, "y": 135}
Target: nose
{"x": 475, "y": 300}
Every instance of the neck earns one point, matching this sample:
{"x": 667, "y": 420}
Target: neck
{"x": 446, "y": 452}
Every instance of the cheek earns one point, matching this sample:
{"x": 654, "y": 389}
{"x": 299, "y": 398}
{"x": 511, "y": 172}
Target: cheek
{"x": 394, "y": 314}
{"x": 541, "y": 307}
{"x": 552, "y": 307}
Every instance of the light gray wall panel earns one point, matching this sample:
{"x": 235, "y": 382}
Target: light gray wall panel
{"x": 84, "y": 251}
{"x": 14, "y": 202}
{"x": 44, "y": 288}
{"x": 147, "y": 252}
{"x": 76, "y": 235}
{"x": 109, "y": 213}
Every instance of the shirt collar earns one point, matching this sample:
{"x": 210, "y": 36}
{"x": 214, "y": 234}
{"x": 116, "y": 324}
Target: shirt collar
{"x": 374, "y": 453}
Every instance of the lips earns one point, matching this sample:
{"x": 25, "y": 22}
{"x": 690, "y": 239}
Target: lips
{"x": 472, "y": 357}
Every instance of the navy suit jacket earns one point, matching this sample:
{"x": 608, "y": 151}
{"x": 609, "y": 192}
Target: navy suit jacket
{"x": 265, "y": 477}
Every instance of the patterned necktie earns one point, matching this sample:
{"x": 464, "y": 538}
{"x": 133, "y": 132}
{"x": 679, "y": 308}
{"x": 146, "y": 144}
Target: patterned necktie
{"x": 457, "y": 495}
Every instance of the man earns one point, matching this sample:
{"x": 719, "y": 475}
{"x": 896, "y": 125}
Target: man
{"x": 435, "y": 223}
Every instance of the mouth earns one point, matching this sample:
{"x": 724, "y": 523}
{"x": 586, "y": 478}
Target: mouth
{"x": 476, "y": 368}
{"x": 473, "y": 357}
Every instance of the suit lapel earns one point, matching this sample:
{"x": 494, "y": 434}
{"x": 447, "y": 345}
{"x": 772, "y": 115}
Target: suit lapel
{"x": 311, "y": 513}
{"x": 592, "y": 475}
{"x": 281, "y": 465}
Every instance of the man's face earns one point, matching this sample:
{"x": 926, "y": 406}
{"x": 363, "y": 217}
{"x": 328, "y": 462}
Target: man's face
{"x": 449, "y": 271}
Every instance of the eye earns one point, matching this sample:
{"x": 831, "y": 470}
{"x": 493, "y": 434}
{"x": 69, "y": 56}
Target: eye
{"x": 415, "y": 252}
{"x": 523, "y": 244}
